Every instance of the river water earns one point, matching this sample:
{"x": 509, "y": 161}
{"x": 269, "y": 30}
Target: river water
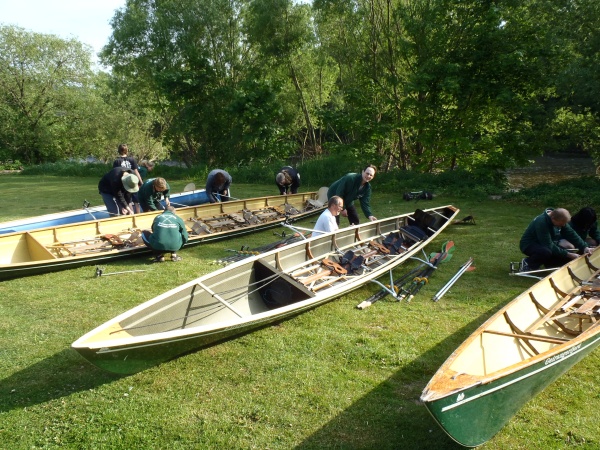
{"x": 550, "y": 169}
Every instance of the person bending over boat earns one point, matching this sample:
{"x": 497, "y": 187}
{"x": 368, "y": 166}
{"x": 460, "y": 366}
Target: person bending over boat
{"x": 151, "y": 192}
{"x": 354, "y": 186}
{"x": 144, "y": 167}
{"x": 128, "y": 162}
{"x": 168, "y": 235}
{"x": 585, "y": 224}
{"x": 217, "y": 186}
{"x": 116, "y": 188}
{"x": 288, "y": 180}
{"x": 540, "y": 241}
{"x": 326, "y": 222}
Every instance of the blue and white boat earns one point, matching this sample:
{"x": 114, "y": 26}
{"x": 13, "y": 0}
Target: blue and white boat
{"x": 86, "y": 213}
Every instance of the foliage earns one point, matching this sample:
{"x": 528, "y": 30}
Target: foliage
{"x": 572, "y": 194}
{"x": 11, "y": 165}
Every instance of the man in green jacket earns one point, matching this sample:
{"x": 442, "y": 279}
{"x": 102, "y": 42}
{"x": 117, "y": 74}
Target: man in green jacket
{"x": 168, "y": 235}
{"x": 151, "y": 192}
{"x": 540, "y": 242}
{"x": 354, "y": 186}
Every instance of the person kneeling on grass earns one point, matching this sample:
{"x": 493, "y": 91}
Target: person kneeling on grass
{"x": 168, "y": 235}
{"x": 541, "y": 241}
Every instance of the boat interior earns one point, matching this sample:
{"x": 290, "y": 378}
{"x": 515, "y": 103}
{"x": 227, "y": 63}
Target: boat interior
{"x": 312, "y": 271}
{"x": 550, "y": 314}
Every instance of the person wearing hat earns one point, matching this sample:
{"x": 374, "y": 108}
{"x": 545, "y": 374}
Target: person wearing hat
{"x": 151, "y": 192}
{"x": 168, "y": 235}
{"x": 288, "y": 179}
{"x": 116, "y": 188}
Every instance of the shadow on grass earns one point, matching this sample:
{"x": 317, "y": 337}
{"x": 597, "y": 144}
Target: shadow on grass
{"x": 58, "y": 376}
{"x": 391, "y": 416}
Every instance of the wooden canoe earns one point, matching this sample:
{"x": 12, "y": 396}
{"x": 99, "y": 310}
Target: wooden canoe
{"x": 86, "y": 214}
{"x": 258, "y": 291}
{"x": 517, "y": 353}
{"x": 97, "y": 241}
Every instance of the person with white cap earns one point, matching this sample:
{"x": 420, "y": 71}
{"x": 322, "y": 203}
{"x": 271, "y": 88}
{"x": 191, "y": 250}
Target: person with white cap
{"x": 116, "y": 188}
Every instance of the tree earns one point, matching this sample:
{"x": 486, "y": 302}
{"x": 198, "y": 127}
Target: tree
{"x": 43, "y": 80}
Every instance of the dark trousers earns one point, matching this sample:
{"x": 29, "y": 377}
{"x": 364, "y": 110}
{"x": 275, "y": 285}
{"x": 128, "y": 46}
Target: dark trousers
{"x": 352, "y": 216}
{"x": 538, "y": 255}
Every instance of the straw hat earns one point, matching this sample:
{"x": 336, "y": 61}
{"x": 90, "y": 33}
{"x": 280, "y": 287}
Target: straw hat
{"x": 130, "y": 183}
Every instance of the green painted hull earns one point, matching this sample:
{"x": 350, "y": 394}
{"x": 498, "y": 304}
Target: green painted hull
{"x": 474, "y": 415}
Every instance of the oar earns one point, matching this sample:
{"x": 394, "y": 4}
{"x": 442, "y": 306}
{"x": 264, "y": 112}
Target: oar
{"x": 466, "y": 266}
{"x": 419, "y": 282}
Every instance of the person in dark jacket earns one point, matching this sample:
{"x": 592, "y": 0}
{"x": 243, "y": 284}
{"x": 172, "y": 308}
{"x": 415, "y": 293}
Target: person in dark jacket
{"x": 128, "y": 162}
{"x": 168, "y": 234}
{"x": 354, "y": 186}
{"x": 585, "y": 224}
{"x": 540, "y": 241}
{"x": 217, "y": 186}
{"x": 151, "y": 192}
{"x": 288, "y": 180}
{"x": 116, "y": 188}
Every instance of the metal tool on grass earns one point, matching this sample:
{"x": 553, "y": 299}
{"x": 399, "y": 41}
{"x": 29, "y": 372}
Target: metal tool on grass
{"x": 100, "y": 272}
{"x": 465, "y": 267}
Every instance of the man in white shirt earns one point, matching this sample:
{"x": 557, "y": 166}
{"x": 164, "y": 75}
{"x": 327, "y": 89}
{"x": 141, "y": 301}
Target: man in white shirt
{"x": 326, "y": 222}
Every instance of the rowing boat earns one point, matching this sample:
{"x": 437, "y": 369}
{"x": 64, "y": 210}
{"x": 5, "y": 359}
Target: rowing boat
{"x": 258, "y": 291}
{"x": 87, "y": 213}
{"x": 97, "y": 241}
{"x": 517, "y": 353}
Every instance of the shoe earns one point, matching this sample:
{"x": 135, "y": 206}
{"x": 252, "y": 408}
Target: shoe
{"x": 159, "y": 259}
{"x": 175, "y": 257}
{"x": 524, "y": 267}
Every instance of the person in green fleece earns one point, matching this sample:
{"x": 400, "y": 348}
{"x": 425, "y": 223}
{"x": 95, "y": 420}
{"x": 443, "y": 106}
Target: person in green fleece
{"x": 354, "y": 186}
{"x": 540, "y": 241}
{"x": 151, "y": 192}
{"x": 168, "y": 235}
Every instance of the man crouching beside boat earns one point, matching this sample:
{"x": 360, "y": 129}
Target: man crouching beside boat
{"x": 168, "y": 235}
{"x": 540, "y": 242}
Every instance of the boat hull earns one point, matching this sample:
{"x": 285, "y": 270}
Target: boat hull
{"x": 249, "y": 294}
{"x": 473, "y": 416}
{"x": 517, "y": 353}
{"x": 75, "y": 245}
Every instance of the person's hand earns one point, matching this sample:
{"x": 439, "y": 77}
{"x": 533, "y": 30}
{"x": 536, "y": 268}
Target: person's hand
{"x": 344, "y": 213}
{"x": 372, "y": 218}
{"x": 587, "y": 250}
{"x": 572, "y": 255}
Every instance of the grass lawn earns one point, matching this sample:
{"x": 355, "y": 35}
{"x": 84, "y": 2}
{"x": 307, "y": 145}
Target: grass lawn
{"x": 333, "y": 378}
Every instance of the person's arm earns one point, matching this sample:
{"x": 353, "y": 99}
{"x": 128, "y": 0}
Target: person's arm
{"x": 365, "y": 204}
{"x": 570, "y": 235}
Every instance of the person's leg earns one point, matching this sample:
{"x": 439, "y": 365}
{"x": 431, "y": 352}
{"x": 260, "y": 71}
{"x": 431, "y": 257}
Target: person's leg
{"x": 158, "y": 255}
{"x": 111, "y": 204}
{"x": 537, "y": 255}
{"x": 352, "y": 215}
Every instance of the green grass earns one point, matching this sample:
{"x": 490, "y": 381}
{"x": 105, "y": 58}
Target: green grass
{"x": 333, "y": 378}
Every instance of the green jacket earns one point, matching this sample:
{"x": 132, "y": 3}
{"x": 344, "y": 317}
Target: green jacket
{"x": 348, "y": 187}
{"x": 149, "y": 197}
{"x": 542, "y": 231}
{"x": 168, "y": 232}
